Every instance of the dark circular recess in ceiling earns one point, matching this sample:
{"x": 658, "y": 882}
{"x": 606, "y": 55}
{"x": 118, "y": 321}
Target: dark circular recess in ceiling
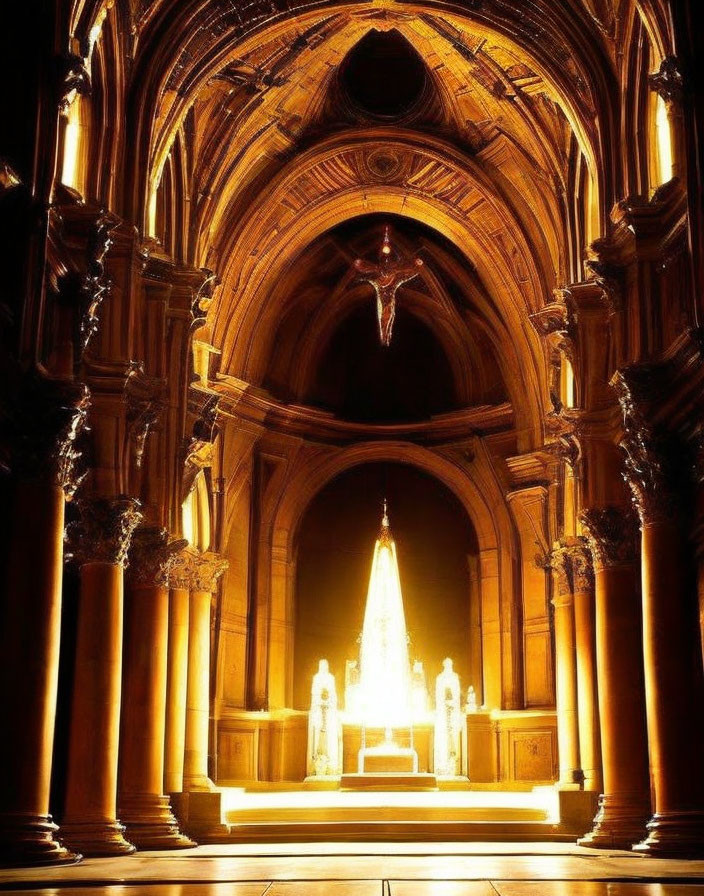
{"x": 383, "y": 75}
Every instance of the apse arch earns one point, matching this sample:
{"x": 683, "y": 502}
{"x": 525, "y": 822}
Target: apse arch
{"x": 437, "y": 189}
{"x": 474, "y": 485}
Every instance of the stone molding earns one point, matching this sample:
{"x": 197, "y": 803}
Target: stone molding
{"x": 152, "y": 556}
{"x": 103, "y": 531}
{"x": 612, "y": 535}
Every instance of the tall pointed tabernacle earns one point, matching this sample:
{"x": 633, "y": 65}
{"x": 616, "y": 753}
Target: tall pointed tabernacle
{"x": 385, "y": 675}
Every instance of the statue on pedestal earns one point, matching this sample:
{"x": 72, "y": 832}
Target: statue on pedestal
{"x": 448, "y": 721}
{"x": 471, "y": 700}
{"x": 324, "y": 731}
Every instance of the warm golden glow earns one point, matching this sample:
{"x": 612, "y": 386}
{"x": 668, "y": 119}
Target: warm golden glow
{"x": 385, "y": 680}
{"x": 72, "y": 144}
{"x": 151, "y": 213}
{"x": 664, "y": 141}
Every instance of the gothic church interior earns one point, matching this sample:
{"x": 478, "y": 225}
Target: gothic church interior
{"x": 351, "y": 449}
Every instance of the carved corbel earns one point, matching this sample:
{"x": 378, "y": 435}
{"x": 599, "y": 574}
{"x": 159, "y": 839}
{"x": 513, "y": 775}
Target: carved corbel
{"x": 204, "y": 298}
{"x": 198, "y": 448}
{"x": 102, "y": 531}
{"x": 612, "y": 535}
{"x": 152, "y": 556}
{"x": 145, "y": 403}
{"x": 667, "y": 80}
{"x": 558, "y": 320}
{"x": 608, "y": 272}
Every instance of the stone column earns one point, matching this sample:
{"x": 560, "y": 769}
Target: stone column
{"x": 674, "y": 679}
{"x": 177, "y": 673}
{"x": 144, "y": 809}
{"x": 207, "y": 568}
{"x": 624, "y": 806}
{"x": 99, "y": 540}
{"x": 49, "y": 417}
{"x": 585, "y": 644}
{"x": 565, "y": 669}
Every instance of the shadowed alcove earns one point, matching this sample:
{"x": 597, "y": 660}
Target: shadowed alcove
{"x": 437, "y": 551}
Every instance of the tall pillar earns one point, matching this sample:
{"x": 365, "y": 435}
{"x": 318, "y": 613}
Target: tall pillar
{"x": 207, "y": 568}
{"x": 565, "y": 669}
{"x": 144, "y": 809}
{"x": 177, "y": 674}
{"x": 100, "y": 540}
{"x": 51, "y": 415}
{"x": 585, "y": 644}
{"x": 624, "y": 806}
{"x": 674, "y": 678}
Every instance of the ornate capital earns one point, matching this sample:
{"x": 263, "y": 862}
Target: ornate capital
{"x": 650, "y": 467}
{"x": 47, "y": 417}
{"x": 571, "y": 563}
{"x": 181, "y": 569}
{"x": 152, "y": 556}
{"x": 206, "y": 569}
{"x": 667, "y": 80}
{"x": 613, "y": 536}
{"x": 103, "y": 530}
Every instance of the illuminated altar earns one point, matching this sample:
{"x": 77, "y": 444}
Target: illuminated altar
{"x": 386, "y": 699}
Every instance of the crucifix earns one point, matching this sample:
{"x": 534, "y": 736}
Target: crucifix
{"x": 386, "y": 276}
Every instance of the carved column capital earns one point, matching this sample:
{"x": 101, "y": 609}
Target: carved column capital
{"x": 152, "y": 556}
{"x": 47, "y": 417}
{"x": 103, "y": 530}
{"x": 650, "y": 467}
{"x": 571, "y": 563}
{"x": 181, "y": 569}
{"x": 206, "y": 569}
{"x": 613, "y": 536}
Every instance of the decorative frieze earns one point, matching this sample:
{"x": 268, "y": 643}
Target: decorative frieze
{"x": 102, "y": 532}
{"x": 613, "y": 536}
{"x": 152, "y": 556}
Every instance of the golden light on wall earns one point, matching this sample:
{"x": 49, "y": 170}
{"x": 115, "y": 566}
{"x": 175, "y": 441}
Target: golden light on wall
{"x": 195, "y": 514}
{"x": 70, "y": 169}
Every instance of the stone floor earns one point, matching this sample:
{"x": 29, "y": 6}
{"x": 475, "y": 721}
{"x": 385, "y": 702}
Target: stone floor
{"x": 358, "y": 869}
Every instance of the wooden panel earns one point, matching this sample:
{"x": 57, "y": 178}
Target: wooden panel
{"x": 237, "y": 750}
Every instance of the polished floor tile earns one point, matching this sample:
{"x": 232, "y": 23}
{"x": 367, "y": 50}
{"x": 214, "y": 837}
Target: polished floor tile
{"x": 327, "y": 888}
{"x": 594, "y": 888}
{"x": 441, "y": 888}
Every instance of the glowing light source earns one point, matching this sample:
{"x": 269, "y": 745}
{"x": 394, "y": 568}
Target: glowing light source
{"x": 385, "y": 675}
{"x": 72, "y": 140}
{"x": 664, "y": 138}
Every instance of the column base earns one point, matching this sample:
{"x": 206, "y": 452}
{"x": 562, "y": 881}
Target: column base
{"x": 198, "y": 784}
{"x": 674, "y": 835}
{"x": 150, "y": 823}
{"x": 27, "y": 840}
{"x": 97, "y": 838}
{"x": 202, "y": 815}
{"x": 619, "y": 822}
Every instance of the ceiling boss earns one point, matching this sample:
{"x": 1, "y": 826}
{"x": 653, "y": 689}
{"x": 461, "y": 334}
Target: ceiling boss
{"x": 391, "y": 272}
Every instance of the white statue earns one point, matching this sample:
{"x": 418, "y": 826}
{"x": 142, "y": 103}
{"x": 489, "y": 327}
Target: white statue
{"x": 419, "y": 690}
{"x": 471, "y": 699}
{"x": 324, "y": 730}
{"x": 448, "y": 721}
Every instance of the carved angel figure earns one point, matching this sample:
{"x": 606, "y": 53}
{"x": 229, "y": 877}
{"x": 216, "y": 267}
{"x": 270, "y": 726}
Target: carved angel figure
{"x": 386, "y": 276}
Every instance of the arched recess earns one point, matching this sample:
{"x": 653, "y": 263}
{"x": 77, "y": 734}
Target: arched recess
{"x": 474, "y": 485}
{"x": 431, "y": 183}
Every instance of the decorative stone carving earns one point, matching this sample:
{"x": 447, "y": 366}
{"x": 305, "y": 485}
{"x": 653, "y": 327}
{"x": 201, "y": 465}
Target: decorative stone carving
{"x": 103, "y": 530}
{"x": 667, "y": 80}
{"x": 144, "y": 406}
{"x": 572, "y": 565}
{"x": 582, "y": 568}
{"x": 95, "y": 286}
{"x": 206, "y": 569}
{"x": 180, "y": 570}
{"x": 47, "y": 417}
{"x": 613, "y": 536}
{"x": 74, "y": 79}
{"x": 558, "y": 318}
{"x": 561, "y": 566}
{"x": 607, "y": 272}
{"x": 649, "y": 465}
{"x": 152, "y": 556}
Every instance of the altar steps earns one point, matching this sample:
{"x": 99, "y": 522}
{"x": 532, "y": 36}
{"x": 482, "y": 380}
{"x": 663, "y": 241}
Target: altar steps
{"x": 392, "y": 816}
